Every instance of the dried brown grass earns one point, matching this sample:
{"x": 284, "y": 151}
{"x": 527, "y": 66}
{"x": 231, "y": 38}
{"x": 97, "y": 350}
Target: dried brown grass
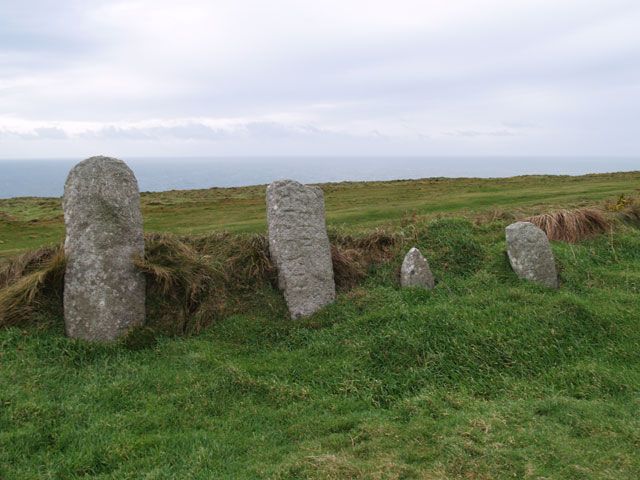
{"x": 191, "y": 281}
{"x": 30, "y": 282}
{"x": 353, "y": 255}
{"x": 572, "y": 225}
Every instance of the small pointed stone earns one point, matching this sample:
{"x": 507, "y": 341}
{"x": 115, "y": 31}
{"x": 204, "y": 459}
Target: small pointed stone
{"x": 415, "y": 271}
{"x": 530, "y": 254}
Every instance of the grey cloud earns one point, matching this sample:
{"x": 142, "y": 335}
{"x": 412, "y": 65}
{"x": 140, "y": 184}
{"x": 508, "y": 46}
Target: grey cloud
{"x": 481, "y": 133}
{"x": 519, "y": 125}
{"x": 41, "y": 133}
{"x": 52, "y": 133}
{"x": 280, "y": 130}
{"x": 267, "y": 129}
{"x": 201, "y": 132}
{"x": 191, "y": 131}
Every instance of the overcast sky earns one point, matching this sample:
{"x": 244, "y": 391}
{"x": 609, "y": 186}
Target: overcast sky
{"x": 343, "y": 77}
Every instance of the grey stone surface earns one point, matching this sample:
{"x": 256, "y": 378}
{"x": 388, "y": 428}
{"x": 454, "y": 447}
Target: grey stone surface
{"x": 104, "y": 294}
{"x": 415, "y": 271}
{"x": 530, "y": 254}
{"x": 299, "y": 246}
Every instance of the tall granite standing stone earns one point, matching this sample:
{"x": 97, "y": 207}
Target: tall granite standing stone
{"x": 104, "y": 293}
{"x": 530, "y": 254}
{"x": 299, "y": 246}
{"x": 415, "y": 271}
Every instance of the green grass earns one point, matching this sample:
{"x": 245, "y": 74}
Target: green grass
{"x": 484, "y": 377}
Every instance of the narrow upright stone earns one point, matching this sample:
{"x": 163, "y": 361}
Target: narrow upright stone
{"x": 530, "y": 254}
{"x": 415, "y": 271}
{"x": 299, "y": 246}
{"x": 104, "y": 293}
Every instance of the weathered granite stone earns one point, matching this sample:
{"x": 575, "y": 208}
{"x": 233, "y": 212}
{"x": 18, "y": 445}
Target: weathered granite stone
{"x": 104, "y": 293}
{"x": 299, "y": 246}
{"x": 415, "y": 271}
{"x": 530, "y": 254}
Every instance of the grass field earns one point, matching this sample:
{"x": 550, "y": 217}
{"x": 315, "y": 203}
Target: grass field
{"x": 484, "y": 377}
{"x": 32, "y": 222}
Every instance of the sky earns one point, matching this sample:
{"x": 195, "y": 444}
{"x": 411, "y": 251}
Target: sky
{"x": 330, "y": 77}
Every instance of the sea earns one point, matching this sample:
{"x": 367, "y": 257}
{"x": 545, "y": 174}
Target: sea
{"x": 45, "y": 177}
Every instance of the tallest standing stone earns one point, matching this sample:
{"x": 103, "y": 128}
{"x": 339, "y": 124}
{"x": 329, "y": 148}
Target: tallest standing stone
{"x": 104, "y": 293}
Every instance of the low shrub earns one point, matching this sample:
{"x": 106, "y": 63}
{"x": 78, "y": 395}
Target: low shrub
{"x": 630, "y": 213}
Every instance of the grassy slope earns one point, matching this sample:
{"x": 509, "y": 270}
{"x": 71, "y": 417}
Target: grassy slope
{"x": 484, "y": 377}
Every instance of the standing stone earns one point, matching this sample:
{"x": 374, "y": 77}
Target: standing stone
{"x": 104, "y": 293}
{"x": 530, "y": 254}
{"x": 415, "y": 271}
{"x": 299, "y": 246}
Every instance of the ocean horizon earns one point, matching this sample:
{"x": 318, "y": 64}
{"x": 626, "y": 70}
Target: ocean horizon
{"x": 46, "y": 177}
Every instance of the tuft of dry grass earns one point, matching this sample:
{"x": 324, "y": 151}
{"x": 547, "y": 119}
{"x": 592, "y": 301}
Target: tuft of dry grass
{"x": 572, "y": 225}
{"x": 191, "y": 281}
{"x": 28, "y": 282}
{"x": 349, "y": 266}
{"x": 353, "y": 255}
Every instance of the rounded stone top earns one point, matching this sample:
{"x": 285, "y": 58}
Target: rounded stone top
{"x": 284, "y": 182}
{"x": 521, "y": 225}
{"x": 102, "y": 165}
{"x": 111, "y": 177}
{"x": 525, "y": 230}
{"x": 100, "y": 159}
{"x": 287, "y": 183}
{"x": 289, "y": 190}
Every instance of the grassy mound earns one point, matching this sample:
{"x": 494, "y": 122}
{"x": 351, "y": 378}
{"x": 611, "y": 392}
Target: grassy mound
{"x": 484, "y": 377}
